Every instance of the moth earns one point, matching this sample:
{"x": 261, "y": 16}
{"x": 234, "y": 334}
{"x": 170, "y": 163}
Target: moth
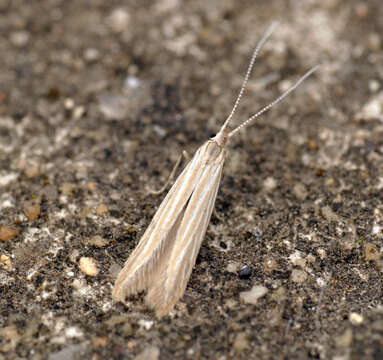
{"x": 163, "y": 260}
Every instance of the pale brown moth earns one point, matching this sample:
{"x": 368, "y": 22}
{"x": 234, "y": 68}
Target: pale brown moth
{"x": 164, "y": 258}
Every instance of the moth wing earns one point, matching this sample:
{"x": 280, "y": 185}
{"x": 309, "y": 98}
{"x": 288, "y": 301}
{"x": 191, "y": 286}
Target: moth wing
{"x": 169, "y": 283}
{"x": 144, "y": 260}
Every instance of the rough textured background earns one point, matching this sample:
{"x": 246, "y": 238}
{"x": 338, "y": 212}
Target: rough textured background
{"x": 97, "y": 100}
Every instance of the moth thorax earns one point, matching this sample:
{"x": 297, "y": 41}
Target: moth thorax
{"x": 213, "y": 150}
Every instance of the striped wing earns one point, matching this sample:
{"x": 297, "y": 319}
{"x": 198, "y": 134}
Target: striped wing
{"x": 144, "y": 261}
{"x": 169, "y": 283}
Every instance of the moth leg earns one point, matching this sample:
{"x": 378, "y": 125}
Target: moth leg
{"x": 186, "y": 155}
{"x": 171, "y": 176}
{"x": 219, "y": 217}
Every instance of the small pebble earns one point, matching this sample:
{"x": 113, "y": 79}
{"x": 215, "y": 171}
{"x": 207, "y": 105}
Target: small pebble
{"x": 91, "y": 54}
{"x": 69, "y": 104}
{"x": 322, "y": 253}
{"x": 100, "y": 341}
{"x": 347, "y": 243}
{"x": 284, "y": 85}
{"x": 258, "y": 233}
{"x": 355, "y": 319}
{"x": 374, "y": 85}
{"x": 376, "y": 229}
{"x": 91, "y": 186}
{"x": 11, "y": 334}
{"x": 297, "y": 260}
{"x": 270, "y": 184}
{"x": 32, "y": 171}
{"x": 32, "y": 210}
{"x": 73, "y": 332}
{"x": 319, "y": 172}
{"x": 5, "y": 262}
{"x": 310, "y": 258}
{"x": 150, "y": 353}
{"x": 232, "y": 267}
{"x": 241, "y": 342}
{"x": 74, "y": 255}
{"x": 298, "y": 276}
{"x": 8, "y": 178}
{"x": 245, "y": 272}
{"x": 78, "y": 112}
{"x": 374, "y": 42}
{"x": 231, "y": 304}
{"x": 255, "y": 293}
{"x": 279, "y": 295}
{"x": 300, "y": 191}
{"x": 102, "y": 209}
{"x": 270, "y": 264}
{"x": 146, "y": 324}
{"x": 98, "y": 241}
{"x": 67, "y": 188}
{"x": 86, "y": 211}
{"x": 114, "y": 320}
{"x": 68, "y": 352}
{"x": 371, "y": 252}
{"x": 118, "y": 20}
{"x": 329, "y": 214}
{"x": 88, "y": 266}
{"x": 330, "y": 181}
{"x": 19, "y": 38}
{"x": 312, "y": 145}
{"x": 131, "y": 344}
{"x": 321, "y": 282}
{"x": 132, "y": 82}
{"x": 50, "y": 192}
{"x": 8, "y": 232}
{"x": 373, "y": 109}
{"x": 113, "y": 107}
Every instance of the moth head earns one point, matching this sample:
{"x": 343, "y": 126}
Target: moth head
{"x": 221, "y": 137}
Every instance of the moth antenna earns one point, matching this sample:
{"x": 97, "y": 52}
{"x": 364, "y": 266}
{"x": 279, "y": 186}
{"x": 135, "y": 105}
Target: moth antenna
{"x": 277, "y": 100}
{"x": 267, "y": 34}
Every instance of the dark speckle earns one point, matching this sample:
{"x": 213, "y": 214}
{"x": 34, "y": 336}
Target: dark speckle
{"x": 245, "y": 272}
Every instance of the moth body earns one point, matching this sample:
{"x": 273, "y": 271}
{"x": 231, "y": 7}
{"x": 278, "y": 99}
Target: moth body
{"x": 164, "y": 257}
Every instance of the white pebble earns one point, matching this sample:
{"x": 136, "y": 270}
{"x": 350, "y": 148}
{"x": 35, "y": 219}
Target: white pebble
{"x": 373, "y": 109}
{"x": 88, "y": 266}
{"x": 355, "y": 319}
{"x": 91, "y": 54}
{"x": 73, "y": 332}
{"x": 255, "y": 293}
{"x": 132, "y": 82}
{"x": 19, "y": 38}
{"x": 118, "y": 20}
{"x": 298, "y": 276}
{"x": 376, "y": 229}
{"x": 232, "y": 267}
{"x": 270, "y": 184}
{"x": 146, "y": 324}
{"x": 321, "y": 282}
{"x": 113, "y": 107}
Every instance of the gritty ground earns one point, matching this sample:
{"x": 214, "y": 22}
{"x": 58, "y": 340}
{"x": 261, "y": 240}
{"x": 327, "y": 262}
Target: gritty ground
{"x": 98, "y": 99}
